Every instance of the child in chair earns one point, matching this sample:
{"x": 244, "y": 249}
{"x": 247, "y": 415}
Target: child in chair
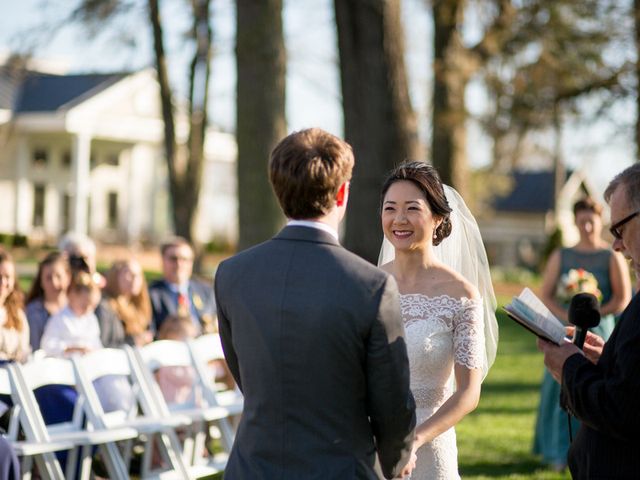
{"x": 74, "y": 330}
{"x": 176, "y": 382}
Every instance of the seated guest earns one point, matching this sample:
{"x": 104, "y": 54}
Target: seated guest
{"x": 82, "y": 257}
{"x": 127, "y": 296}
{"x": 177, "y": 292}
{"x": 48, "y": 294}
{"x": 75, "y": 328}
{"x": 75, "y": 331}
{"x": 82, "y": 254}
{"x": 176, "y": 383}
{"x": 14, "y": 329}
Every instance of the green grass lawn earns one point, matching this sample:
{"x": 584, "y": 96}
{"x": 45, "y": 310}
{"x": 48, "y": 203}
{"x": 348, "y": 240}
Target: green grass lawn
{"x": 495, "y": 440}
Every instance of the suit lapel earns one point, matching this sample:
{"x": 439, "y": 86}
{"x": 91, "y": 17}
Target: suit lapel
{"x": 169, "y": 300}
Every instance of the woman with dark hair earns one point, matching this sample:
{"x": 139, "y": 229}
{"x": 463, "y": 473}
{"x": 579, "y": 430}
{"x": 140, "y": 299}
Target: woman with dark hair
{"x": 448, "y": 307}
{"x": 589, "y": 266}
{"x": 128, "y": 297}
{"x": 14, "y": 329}
{"x": 48, "y": 294}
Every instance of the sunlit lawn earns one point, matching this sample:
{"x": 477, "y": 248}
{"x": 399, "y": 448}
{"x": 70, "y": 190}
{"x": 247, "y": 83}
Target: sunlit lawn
{"x": 495, "y": 440}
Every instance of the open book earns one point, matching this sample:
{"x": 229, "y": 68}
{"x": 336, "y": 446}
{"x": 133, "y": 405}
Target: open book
{"x": 529, "y": 311}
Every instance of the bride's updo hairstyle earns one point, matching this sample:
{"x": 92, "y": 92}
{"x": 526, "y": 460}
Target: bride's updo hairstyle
{"x": 426, "y": 178}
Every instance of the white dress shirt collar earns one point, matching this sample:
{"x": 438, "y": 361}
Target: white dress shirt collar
{"x": 314, "y": 224}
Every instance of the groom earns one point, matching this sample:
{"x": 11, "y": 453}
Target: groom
{"x": 313, "y": 335}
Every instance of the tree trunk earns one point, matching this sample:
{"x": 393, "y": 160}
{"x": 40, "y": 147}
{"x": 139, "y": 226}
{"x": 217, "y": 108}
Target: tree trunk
{"x": 379, "y": 121}
{"x": 559, "y": 174}
{"x": 261, "y": 67}
{"x": 185, "y": 173}
{"x": 636, "y": 11}
{"x": 166, "y": 103}
{"x": 199, "y": 74}
{"x": 449, "y": 141}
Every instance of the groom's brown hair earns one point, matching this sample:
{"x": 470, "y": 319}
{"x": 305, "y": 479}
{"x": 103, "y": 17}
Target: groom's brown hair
{"x": 306, "y": 171}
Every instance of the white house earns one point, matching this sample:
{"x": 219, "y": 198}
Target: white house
{"x": 84, "y": 152}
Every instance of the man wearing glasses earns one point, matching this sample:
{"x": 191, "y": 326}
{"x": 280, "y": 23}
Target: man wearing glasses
{"x": 601, "y": 385}
{"x": 177, "y": 292}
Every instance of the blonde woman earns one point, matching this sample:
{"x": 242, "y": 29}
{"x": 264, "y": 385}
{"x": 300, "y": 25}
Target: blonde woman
{"x": 128, "y": 297}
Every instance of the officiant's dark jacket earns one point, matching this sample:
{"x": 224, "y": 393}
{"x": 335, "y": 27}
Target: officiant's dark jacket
{"x": 606, "y": 398}
{"x": 314, "y": 337}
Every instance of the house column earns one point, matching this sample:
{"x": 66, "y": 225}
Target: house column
{"x": 23, "y": 192}
{"x": 80, "y": 168}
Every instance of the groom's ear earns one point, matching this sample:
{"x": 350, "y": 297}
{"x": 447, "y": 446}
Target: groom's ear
{"x": 343, "y": 194}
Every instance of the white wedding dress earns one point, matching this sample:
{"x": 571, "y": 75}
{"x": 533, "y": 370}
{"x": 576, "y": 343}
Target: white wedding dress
{"x": 440, "y": 331}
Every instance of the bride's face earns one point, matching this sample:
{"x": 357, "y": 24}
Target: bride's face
{"x": 407, "y": 221}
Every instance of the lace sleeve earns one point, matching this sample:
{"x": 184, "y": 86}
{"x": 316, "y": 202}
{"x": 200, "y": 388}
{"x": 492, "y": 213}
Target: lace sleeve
{"x": 468, "y": 335}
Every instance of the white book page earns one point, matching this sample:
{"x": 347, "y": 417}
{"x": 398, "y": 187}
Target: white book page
{"x": 530, "y": 311}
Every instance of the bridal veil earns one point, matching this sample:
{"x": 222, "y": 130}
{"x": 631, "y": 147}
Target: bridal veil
{"x": 464, "y": 252}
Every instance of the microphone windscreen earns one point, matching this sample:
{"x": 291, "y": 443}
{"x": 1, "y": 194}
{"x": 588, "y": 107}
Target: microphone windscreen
{"x": 584, "y": 311}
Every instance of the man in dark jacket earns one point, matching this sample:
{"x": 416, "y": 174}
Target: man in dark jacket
{"x": 313, "y": 336}
{"x": 601, "y": 386}
{"x": 177, "y": 292}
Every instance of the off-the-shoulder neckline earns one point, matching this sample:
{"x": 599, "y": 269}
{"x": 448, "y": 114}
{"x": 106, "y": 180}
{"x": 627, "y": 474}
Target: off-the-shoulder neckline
{"x": 463, "y": 299}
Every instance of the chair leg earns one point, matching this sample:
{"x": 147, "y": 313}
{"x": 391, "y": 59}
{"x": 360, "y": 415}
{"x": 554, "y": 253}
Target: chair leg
{"x": 49, "y": 467}
{"x": 26, "y": 466}
{"x": 113, "y": 461}
{"x": 171, "y": 445}
{"x": 85, "y": 463}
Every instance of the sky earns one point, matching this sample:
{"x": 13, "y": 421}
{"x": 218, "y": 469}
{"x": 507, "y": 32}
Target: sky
{"x": 313, "y": 84}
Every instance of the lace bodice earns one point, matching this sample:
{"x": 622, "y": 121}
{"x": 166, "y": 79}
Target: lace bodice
{"x": 440, "y": 331}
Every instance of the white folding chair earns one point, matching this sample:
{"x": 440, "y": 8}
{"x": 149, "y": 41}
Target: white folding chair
{"x": 33, "y": 448}
{"x": 143, "y": 419}
{"x": 202, "y": 414}
{"x": 58, "y": 371}
{"x": 205, "y": 350}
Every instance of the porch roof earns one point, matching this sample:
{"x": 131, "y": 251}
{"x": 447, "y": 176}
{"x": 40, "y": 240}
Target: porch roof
{"x": 40, "y": 92}
{"x": 532, "y": 192}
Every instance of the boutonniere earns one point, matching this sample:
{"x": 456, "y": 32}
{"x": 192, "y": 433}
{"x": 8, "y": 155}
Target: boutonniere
{"x": 208, "y": 324}
{"x": 197, "y": 301}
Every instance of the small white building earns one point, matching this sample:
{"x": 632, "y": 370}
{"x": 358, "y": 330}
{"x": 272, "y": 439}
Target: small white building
{"x": 84, "y": 152}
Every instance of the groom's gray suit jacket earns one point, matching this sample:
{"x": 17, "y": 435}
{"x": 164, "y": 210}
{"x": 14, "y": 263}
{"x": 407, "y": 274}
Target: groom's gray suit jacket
{"x": 314, "y": 337}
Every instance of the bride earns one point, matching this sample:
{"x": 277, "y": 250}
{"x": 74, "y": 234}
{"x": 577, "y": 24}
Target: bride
{"x": 448, "y": 307}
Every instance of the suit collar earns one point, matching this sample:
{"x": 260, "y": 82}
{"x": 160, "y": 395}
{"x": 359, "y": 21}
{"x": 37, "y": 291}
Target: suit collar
{"x": 306, "y": 234}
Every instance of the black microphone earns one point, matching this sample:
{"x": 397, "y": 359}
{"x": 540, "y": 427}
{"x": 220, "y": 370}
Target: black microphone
{"x": 584, "y": 313}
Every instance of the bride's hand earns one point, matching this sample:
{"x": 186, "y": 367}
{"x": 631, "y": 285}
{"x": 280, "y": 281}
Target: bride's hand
{"x": 411, "y": 464}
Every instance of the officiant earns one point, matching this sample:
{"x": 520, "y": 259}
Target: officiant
{"x": 589, "y": 266}
{"x": 600, "y": 386}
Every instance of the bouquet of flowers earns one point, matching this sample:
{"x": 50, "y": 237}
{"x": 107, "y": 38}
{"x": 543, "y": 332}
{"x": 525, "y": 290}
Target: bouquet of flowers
{"x": 577, "y": 280}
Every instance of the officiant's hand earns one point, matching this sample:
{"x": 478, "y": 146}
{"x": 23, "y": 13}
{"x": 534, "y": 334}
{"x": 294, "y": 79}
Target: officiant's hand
{"x": 592, "y": 347}
{"x": 556, "y": 355}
